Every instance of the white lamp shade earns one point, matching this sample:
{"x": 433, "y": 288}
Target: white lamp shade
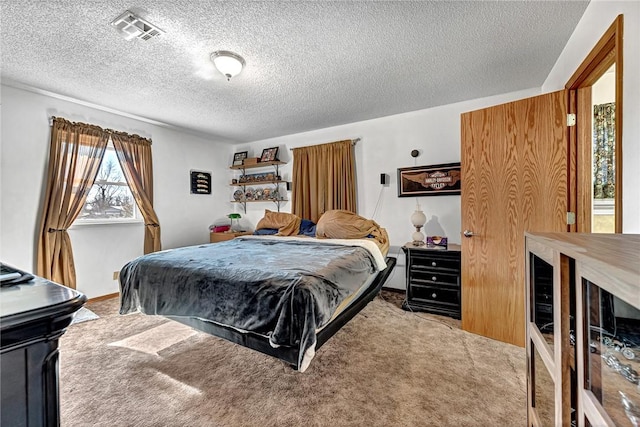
{"x": 418, "y": 218}
{"x": 228, "y": 63}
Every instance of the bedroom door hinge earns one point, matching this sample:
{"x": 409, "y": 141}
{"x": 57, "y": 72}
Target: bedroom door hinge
{"x": 571, "y": 218}
{"x": 571, "y": 119}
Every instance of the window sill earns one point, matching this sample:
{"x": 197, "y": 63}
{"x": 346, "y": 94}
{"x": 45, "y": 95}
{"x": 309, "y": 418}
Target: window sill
{"x": 105, "y": 222}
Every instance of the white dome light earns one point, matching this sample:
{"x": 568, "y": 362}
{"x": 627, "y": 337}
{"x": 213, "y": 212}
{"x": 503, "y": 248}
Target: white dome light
{"x": 228, "y": 63}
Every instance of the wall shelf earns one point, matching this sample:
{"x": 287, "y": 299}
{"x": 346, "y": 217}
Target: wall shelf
{"x": 244, "y": 202}
{"x": 275, "y": 182}
{"x": 246, "y": 184}
{"x": 275, "y": 163}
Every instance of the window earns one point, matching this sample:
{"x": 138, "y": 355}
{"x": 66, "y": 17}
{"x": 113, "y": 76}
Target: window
{"x": 110, "y": 199}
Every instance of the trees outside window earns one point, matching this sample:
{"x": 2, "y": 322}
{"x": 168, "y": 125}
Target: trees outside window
{"x": 110, "y": 199}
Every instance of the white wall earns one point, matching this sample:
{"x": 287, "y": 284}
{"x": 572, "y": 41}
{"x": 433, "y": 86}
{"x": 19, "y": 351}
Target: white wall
{"x": 100, "y": 250}
{"x": 385, "y": 146}
{"x": 604, "y": 90}
{"x": 596, "y": 20}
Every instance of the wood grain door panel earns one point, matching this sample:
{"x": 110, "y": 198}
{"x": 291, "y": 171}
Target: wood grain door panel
{"x": 514, "y": 179}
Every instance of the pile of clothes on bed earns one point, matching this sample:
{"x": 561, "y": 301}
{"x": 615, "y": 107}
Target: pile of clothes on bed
{"x": 333, "y": 224}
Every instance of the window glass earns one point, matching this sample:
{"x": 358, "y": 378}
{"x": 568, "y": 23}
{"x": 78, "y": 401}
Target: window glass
{"x": 110, "y": 199}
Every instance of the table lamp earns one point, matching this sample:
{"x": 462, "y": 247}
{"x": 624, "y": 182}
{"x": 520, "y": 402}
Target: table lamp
{"x": 418, "y": 218}
{"x": 234, "y": 217}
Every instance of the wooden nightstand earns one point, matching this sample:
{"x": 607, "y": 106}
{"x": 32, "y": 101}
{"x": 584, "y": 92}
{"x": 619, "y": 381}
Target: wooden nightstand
{"x": 433, "y": 279}
{"x": 221, "y": 237}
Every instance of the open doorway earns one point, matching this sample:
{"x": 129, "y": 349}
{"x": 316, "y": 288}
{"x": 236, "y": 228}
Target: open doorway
{"x": 603, "y": 150}
{"x": 595, "y": 143}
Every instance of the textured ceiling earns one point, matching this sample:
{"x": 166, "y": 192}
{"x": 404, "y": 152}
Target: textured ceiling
{"x": 310, "y": 64}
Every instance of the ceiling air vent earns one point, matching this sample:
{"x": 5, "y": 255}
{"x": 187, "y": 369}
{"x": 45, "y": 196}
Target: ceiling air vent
{"x": 132, "y": 27}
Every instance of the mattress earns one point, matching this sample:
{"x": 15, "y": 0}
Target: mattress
{"x": 285, "y": 288}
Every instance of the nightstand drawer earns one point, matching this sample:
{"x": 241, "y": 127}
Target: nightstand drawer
{"x": 437, "y": 261}
{"x": 434, "y": 294}
{"x": 424, "y": 276}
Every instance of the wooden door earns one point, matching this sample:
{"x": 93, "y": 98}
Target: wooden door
{"x": 514, "y": 179}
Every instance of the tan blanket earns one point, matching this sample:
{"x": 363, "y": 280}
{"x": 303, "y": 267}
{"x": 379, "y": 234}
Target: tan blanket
{"x": 340, "y": 224}
{"x": 286, "y": 223}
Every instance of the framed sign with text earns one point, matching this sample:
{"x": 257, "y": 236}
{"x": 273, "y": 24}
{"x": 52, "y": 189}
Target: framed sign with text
{"x": 434, "y": 180}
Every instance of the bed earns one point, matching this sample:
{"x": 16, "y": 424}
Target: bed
{"x": 284, "y": 296}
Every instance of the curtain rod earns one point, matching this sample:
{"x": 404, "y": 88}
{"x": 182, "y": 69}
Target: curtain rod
{"x": 107, "y": 130}
{"x": 353, "y": 142}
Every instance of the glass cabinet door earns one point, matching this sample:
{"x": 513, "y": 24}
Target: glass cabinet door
{"x": 612, "y": 354}
{"x": 550, "y": 337}
{"x": 543, "y": 400}
{"x": 542, "y": 307}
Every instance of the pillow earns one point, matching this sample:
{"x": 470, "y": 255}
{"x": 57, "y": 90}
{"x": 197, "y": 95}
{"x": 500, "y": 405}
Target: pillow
{"x": 308, "y": 228}
{"x": 287, "y": 224}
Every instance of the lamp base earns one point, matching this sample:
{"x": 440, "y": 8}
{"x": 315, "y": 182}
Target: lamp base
{"x": 418, "y": 238}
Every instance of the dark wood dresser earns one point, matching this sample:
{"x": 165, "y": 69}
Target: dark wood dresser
{"x": 33, "y": 316}
{"x": 433, "y": 279}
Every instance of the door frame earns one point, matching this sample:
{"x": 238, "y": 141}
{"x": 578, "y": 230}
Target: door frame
{"x": 607, "y": 51}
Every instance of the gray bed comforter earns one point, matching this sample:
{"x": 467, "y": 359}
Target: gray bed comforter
{"x": 283, "y": 289}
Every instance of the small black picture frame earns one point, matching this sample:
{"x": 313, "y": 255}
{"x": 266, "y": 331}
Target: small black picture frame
{"x": 200, "y": 182}
{"x": 238, "y": 158}
{"x": 269, "y": 154}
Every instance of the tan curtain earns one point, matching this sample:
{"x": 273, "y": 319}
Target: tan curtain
{"x": 324, "y": 178}
{"x": 134, "y": 155}
{"x": 76, "y": 151}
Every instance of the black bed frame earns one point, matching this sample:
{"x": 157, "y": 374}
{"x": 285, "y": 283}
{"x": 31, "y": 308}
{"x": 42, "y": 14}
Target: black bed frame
{"x": 290, "y": 354}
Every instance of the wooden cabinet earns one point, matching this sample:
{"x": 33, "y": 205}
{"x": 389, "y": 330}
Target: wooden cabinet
{"x": 583, "y": 350}
{"x": 33, "y": 316}
{"x": 259, "y": 187}
{"x": 433, "y": 280}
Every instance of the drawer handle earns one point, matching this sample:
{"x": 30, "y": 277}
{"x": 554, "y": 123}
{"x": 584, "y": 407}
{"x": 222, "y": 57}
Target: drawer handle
{"x": 434, "y": 278}
{"x": 433, "y": 264}
{"x": 433, "y": 295}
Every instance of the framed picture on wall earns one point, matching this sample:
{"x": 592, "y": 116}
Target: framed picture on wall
{"x": 434, "y": 180}
{"x": 269, "y": 154}
{"x": 238, "y": 158}
{"x": 200, "y": 182}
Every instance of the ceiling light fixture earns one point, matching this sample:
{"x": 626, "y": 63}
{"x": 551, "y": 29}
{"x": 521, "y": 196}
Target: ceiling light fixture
{"x": 131, "y": 27}
{"x": 230, "y": 64}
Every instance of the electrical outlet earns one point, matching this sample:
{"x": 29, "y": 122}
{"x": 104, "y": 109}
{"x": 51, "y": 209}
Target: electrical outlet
{"x": 116, "y": 275}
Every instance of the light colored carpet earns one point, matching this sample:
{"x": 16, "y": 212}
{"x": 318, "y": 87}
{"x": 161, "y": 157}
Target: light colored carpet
{"x": 386, "y": 367}
{"x": 154, "y": 340}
